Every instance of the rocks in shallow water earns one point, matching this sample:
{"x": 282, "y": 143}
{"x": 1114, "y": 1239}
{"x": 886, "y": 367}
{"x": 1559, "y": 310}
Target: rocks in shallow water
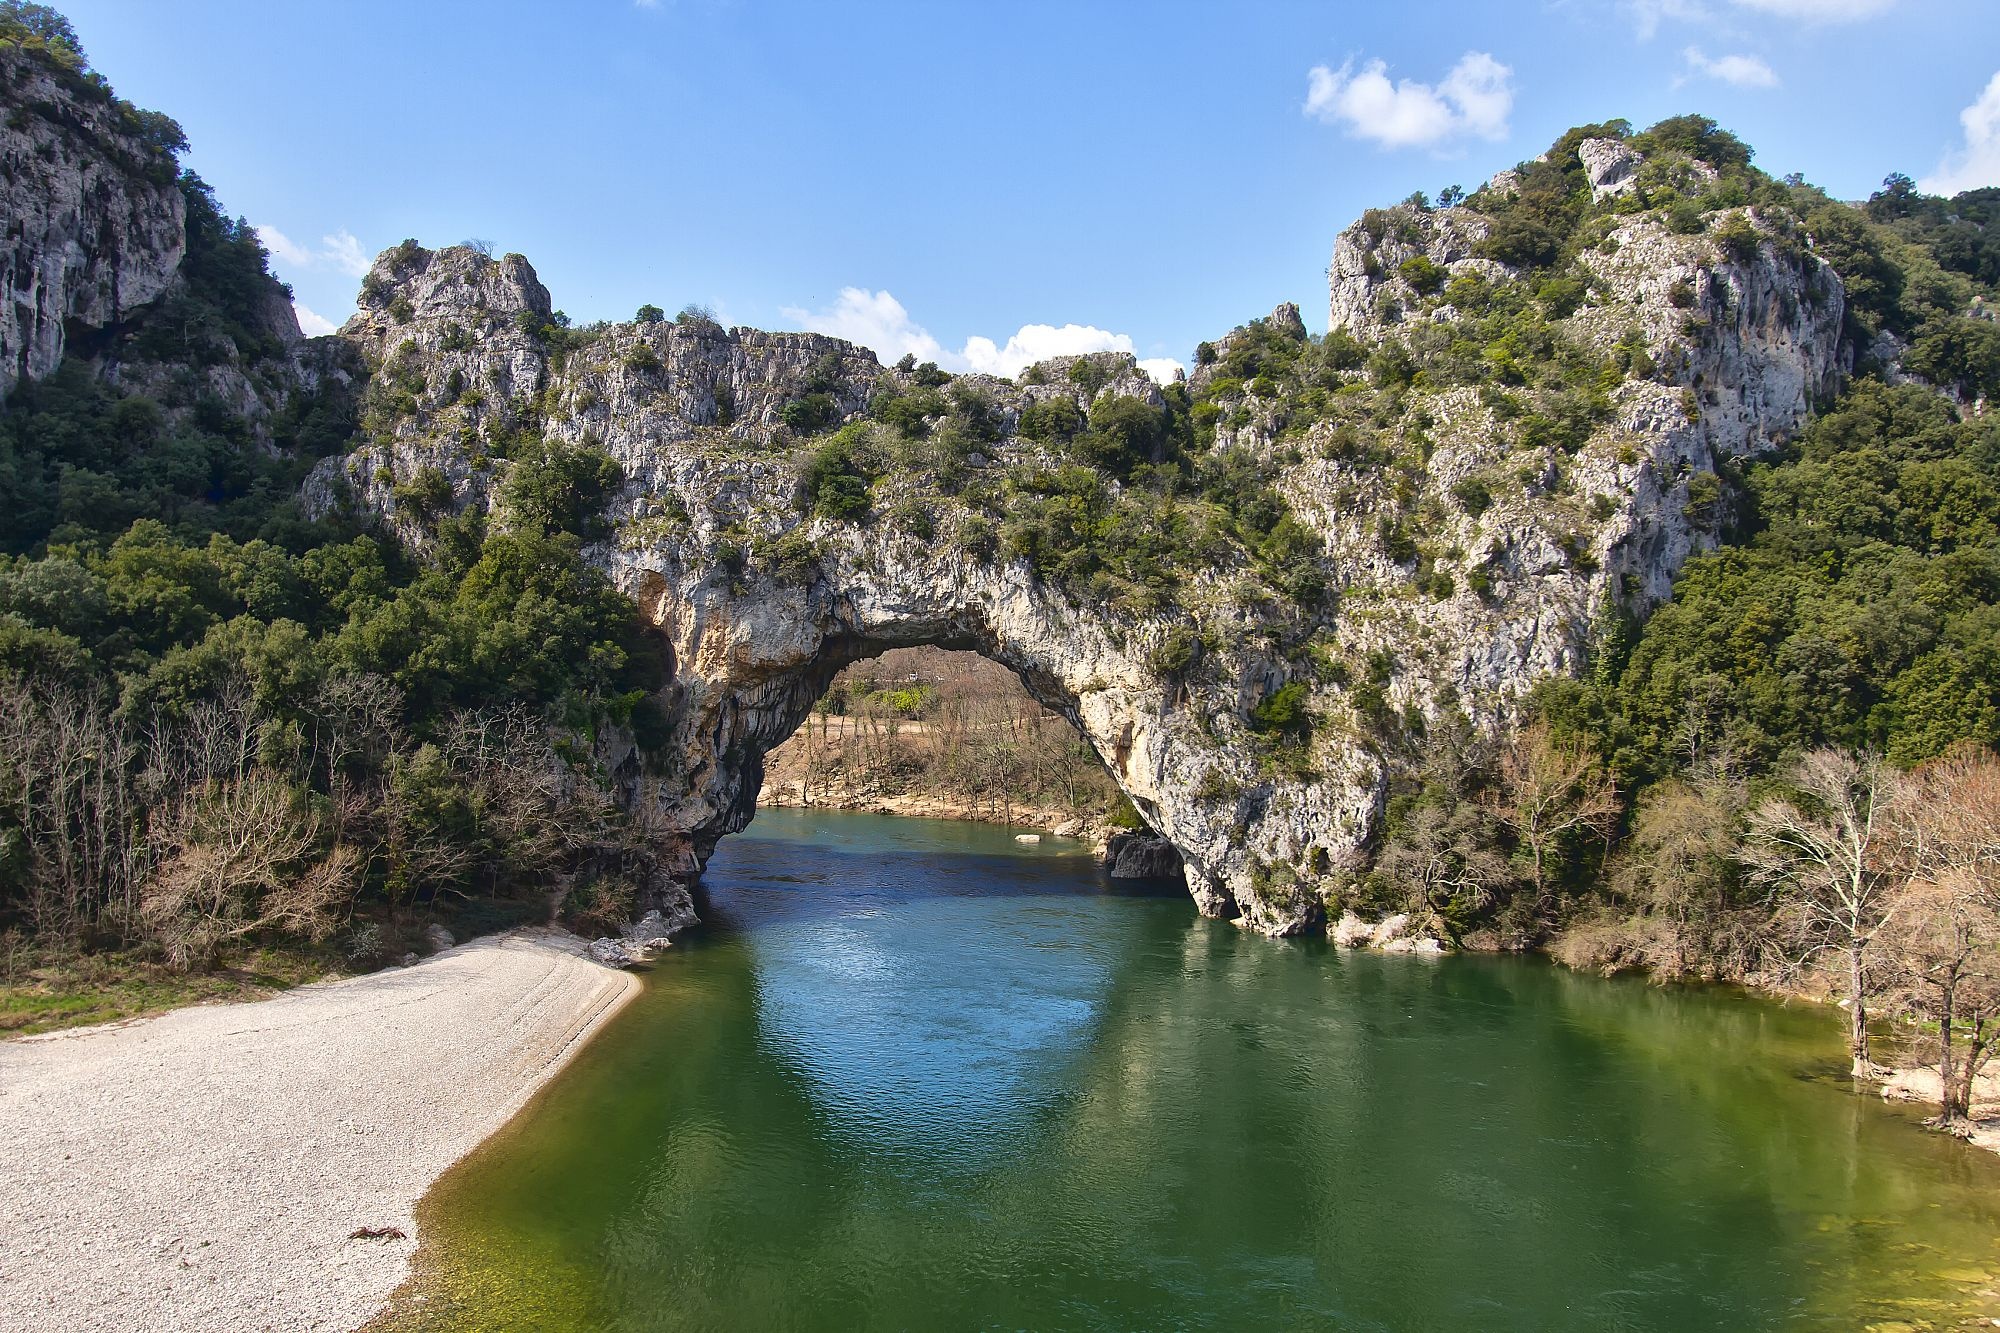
{"x": 1070, "y": 828}
{"x": 438, "y": 938}
{"x": 1027, "y": 837}
{"x": 1351, "y": 932}
{"x": 616, "y": 953}
{"x": 651, "y": 933}
{"x": 1390, "y": 929}
{"x": 1141, "y": 856}
{"x": 1390, "y": 935}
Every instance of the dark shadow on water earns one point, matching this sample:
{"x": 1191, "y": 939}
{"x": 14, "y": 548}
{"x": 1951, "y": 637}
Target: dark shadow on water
{"x": 783, "y": 867}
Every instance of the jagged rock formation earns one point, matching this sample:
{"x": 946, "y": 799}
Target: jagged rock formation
{"x": 762, "y": 604}
{"x": 97, "y": 223}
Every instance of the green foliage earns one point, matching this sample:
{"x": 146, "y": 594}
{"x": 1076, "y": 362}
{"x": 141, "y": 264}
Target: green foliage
{"x": 834, "y": 482}
{"x": 650, "y": 314}
{"x": 1473, "y": 496}
{"x": 1284, "y": 710}
{"x": 556, "y": 487}
{"x": 1052, "y": 421}
{"x": 809, "y": 413}
{"x": 1860, "y": 612}
{"x": 1425, "y": 277}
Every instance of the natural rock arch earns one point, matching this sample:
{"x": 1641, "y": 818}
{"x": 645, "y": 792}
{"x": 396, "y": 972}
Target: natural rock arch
{"x": 1432, "y": 605}
{"x": 749, "y": 666}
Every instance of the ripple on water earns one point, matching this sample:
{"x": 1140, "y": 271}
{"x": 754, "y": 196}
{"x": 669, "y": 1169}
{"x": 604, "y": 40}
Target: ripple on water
{"x": 916, "y": 1075}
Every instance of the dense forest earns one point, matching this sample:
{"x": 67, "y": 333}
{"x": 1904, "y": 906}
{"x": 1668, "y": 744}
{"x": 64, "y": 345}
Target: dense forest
{"x": 230, "y": 734}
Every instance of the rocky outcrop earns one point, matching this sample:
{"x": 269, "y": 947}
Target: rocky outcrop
{"x": 1443, "y": 605}
{"x": 96, "y": 220}
{"x": 1141, "y": 856}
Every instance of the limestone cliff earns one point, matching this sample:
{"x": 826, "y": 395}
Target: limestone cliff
{"x": 1464, "y": 548}
{"x": 97, "y": 223}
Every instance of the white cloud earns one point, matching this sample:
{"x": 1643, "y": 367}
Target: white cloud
{"x": 1039, "y": 342}
{"x": 1648, "y": 15}
{"x": 282, "y": 247}
{"x": 1739, "y": 70}
{"x": 1475, "y": 97}
{"x": 877, "y": 320}
{"x": 1977, "y": 164}
{"x": 1820, "y": 11}
{"x": 340, "y": 251}
{"x": 1162, "y": 368}
{"x": 311, "y": 323}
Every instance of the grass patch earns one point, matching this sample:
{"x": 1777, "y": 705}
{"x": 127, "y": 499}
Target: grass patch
{"x": 76, "y": 990}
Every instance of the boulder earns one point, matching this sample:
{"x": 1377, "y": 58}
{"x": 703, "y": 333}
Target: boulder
{"x": 1611, "y": 165}
{"x": 438, "y": 938}
{"x": 1389, "y": 930}
{"x": 1141, "y": 856}
{"x": 1351, "y": 932}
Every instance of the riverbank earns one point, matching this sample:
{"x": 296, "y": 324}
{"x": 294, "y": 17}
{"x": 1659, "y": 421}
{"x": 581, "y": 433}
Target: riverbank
{"x": 207, "y": 1169}
{"x": 779, "y": 795}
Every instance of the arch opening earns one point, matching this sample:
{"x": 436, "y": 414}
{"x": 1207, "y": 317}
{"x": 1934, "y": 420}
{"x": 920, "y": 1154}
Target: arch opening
{"x": 948, "y": 732}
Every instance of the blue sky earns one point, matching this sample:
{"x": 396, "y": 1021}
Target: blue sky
{"x": 965, "y": 180}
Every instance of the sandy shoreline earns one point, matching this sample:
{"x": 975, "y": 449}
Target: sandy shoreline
{"x": 203, "y": 1170}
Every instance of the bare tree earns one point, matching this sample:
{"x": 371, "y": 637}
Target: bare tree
{"x": 1828, "y": 858}
{"x": 1551, "y": 787}
{"x": 1941, "y": 945}
{"x": 1942, "y": 937}
{"x": 243, "y": 856}
{"x": 1679, "y": 869}
{"x": 1445, "y": 861}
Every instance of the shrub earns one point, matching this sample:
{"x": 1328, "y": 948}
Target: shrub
{"x": 1425, "y": 277}
{"x": 426, "y": 494}
{"x": 555, "y": 487}
{"x": 1284, "y": 710}
{"x": 1739, "y": 240}
{"x": 1473, "y": 496}
{"x": 834, "y": 484}
{"x": 809, "y": 414}
{"x": 1052, "y": 421}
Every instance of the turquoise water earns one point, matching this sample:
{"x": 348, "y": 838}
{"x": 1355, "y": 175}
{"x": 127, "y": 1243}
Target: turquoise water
{"x": 915, "y": 1075}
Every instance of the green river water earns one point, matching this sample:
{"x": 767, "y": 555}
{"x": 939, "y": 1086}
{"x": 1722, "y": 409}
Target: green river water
{"x": 914, "y": 1075}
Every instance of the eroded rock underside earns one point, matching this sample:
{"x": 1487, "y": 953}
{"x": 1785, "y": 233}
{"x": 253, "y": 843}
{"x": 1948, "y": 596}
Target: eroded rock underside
{"x": 1423, "y": 603}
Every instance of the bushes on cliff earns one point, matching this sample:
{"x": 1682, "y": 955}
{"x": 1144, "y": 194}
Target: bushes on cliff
{"x": 557, "y": 487}
{"x": 834, "y": 482}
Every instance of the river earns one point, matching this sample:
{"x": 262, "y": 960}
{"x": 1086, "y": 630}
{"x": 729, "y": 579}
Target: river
{"x": 916, "y": 1075}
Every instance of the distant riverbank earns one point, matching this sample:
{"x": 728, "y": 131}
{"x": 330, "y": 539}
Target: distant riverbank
{"x": 207, "y": 1169}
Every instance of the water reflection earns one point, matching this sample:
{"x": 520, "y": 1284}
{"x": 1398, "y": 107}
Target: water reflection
{"x": 919, "y": 1077}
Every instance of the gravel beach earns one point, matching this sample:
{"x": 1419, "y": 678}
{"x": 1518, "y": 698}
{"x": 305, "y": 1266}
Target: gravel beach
{"x": 203, "y": 1170}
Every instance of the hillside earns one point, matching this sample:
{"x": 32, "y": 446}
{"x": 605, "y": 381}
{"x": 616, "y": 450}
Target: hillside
{"x": 1679, "y": 459}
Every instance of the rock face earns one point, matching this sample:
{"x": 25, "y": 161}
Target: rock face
{"x": 1141, "y": 856}
{"x": 760, "y": 604}
{"x": 97, "y": 225}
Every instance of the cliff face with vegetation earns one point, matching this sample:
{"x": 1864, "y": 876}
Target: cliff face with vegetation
{"x": 1234, "y": 587}
{"x": 490, "y": 601}
{"x": 96, "y": 223}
